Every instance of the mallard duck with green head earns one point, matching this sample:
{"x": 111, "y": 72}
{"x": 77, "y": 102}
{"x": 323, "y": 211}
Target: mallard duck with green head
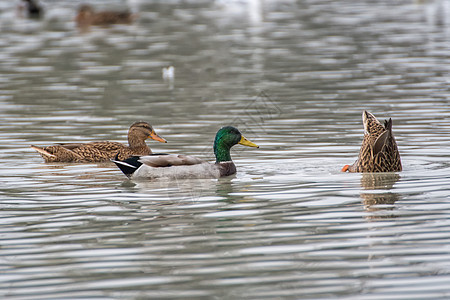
{"x": 186, "y": 166}
{"x": 379, "y": 151}
{"x": 104, "y": 150}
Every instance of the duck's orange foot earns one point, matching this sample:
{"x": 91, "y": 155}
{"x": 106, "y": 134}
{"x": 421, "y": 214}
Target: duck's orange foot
{"x": 345, "y": 168}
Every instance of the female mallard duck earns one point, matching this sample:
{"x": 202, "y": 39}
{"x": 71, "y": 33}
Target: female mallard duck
{"x": 184, "y": 166}
{"x": 379, "y": 152}
{"x": 87, "y": 16}
{"x": 102, "y": 151}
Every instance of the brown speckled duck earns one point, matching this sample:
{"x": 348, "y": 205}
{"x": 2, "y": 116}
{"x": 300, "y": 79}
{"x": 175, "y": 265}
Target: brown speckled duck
{"x": 379, "y": 152}
{"x": 87, "y": 17}
{"x": 104, "y": 150}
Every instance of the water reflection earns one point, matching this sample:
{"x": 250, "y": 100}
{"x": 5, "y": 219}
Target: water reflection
{"x": 289, "y": 224}
{"x": 225, "y": 190}
{"x": 379, "y": 195}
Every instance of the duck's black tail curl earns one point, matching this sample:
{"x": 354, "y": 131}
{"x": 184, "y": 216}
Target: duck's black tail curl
{"x": 127, "y": 166}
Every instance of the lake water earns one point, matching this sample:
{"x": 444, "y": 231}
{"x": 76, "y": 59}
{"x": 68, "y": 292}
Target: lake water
{"x": 294, "y": 77}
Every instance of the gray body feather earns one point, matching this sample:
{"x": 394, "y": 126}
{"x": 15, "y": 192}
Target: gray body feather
{"x": 181, "y": 166}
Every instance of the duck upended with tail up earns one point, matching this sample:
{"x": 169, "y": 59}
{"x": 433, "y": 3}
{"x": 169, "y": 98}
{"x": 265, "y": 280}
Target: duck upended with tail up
{"x": 186, "y": 166}
{"x": 104, "y": 150}
{"x": 379, "y": 151}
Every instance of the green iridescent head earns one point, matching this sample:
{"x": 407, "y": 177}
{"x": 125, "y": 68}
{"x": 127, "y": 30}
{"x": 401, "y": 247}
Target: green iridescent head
{"x": 226, "y": 138}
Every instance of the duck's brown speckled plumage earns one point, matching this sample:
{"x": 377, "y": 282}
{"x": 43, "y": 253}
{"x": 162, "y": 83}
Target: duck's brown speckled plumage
{"x": 87, "y": 17}
{"x": 379, "y": 151}
{"x": 102, "y": 151}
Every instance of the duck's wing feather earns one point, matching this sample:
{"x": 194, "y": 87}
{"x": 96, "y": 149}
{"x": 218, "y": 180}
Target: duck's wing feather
{"x": 381, "y": 141}
{"x": 101, "y": 146}
{"x": 71, "y": 146}
{"x": 386, "y": 155}
{"x": 43, "y": 152}
{"x": 57, "y": 153}
{"x": 169, "y": 160}
{"x": 106, "y": 146}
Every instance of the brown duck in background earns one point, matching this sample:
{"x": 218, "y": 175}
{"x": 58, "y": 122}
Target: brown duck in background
{"x": 87, "y": 17}
{"x": 29, "y": 9}
{"x": 102, "y": 151}
{"x": 379, "y": 151}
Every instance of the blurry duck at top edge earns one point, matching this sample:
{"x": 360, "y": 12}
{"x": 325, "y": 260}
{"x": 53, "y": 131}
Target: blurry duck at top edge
{"x": 29, "y": 9}
{"x": 87, "y": 17}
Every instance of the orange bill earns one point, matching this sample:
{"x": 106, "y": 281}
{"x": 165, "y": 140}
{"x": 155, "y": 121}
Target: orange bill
{"x": 156, "y": 137}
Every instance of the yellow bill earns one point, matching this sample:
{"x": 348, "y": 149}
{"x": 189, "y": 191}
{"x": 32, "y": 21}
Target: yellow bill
{"x": 246, "y": 142}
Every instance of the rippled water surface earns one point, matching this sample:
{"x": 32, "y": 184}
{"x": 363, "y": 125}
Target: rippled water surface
{"x": 294, "y": 76}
